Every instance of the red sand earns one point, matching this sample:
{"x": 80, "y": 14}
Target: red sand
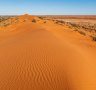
{"x": 38, "y": 56}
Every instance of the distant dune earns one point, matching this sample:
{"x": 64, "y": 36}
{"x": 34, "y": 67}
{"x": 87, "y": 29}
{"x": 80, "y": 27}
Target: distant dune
{"x": 42, "y": 54}
{"x": 90, "y": 17}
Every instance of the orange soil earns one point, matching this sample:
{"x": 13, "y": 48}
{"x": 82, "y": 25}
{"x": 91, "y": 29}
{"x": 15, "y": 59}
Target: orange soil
{"x": 38, "y": 56}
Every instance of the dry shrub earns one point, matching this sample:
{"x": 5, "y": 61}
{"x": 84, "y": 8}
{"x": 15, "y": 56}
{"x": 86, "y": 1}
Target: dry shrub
{"x": 81, "y": 32}
{"x": 34, "y": 21}
{"x": 94, "y": 38}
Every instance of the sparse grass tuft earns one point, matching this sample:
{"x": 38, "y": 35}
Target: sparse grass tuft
{"x": 44, "y": 21}
{"x": 83, "y": 33}
{"x": 94, "y": 38}
{"x": 34, "y": 21}
{"x": 41, "y": 17}
{"x": 60, "y": 22}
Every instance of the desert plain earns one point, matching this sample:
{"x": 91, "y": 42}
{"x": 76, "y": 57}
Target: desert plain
{"x": 47, "y": 52}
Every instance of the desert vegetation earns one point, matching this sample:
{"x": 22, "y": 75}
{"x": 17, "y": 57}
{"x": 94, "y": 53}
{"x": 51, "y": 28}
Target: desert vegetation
{"x": 85, "y": 25}
{"x": 93, "y": 37}
{"x": 41, "y": 17}
{"x": 3, "y": 20}
{"x": 34, "y": 21}
{"x": 60, "y": 22}
{"x": 84, "y": 17}
{"x": 42, "y": 50}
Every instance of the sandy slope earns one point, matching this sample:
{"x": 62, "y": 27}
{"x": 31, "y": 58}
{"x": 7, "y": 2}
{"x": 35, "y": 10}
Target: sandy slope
{"x": 46, "y": 57}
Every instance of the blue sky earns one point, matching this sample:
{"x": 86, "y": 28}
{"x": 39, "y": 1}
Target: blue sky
{"x": 48, "y": 7}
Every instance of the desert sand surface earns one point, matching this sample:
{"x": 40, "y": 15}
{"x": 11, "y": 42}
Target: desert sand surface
{"x": 37, "y": 54}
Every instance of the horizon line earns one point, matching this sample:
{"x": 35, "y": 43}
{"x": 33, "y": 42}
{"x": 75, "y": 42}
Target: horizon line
{"x": 50, "y": 14}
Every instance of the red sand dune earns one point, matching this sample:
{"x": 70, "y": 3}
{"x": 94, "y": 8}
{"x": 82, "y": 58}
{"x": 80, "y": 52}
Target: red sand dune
{"x": 36, "y": 56}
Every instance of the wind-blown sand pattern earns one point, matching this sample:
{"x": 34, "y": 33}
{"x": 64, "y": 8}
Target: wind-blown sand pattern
{"x": 38, "y": 56}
